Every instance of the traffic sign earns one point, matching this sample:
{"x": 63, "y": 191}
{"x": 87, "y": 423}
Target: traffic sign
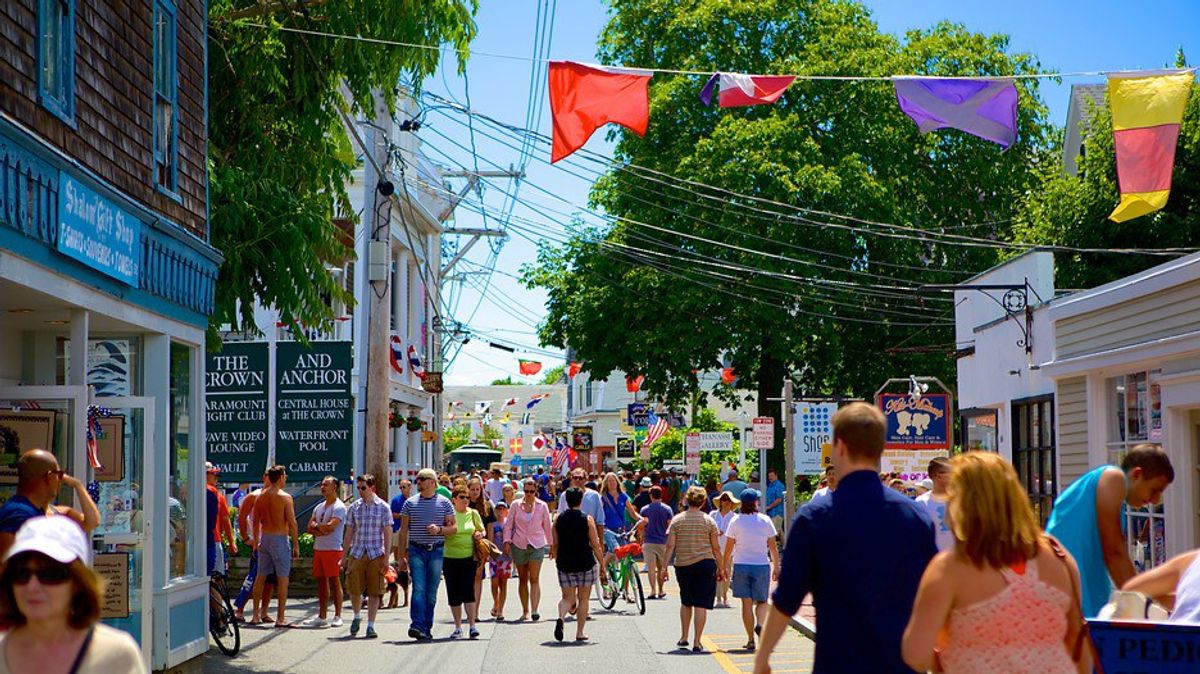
{"x": 764, "y": 433}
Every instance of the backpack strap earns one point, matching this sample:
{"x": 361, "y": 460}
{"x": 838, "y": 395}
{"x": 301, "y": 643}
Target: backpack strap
{"x": 1061, "y": 553}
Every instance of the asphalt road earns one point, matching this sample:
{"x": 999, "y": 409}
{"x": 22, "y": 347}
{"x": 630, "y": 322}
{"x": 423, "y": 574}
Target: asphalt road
{"x": 620, "y": 641}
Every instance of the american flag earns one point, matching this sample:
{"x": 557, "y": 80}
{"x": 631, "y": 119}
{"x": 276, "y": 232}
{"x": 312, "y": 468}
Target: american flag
{"x": 559, "y": 457}
{"x": 658, "y": 427}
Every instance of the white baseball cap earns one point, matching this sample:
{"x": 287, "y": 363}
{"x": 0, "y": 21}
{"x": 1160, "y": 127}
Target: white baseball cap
{"x": 56, "y": 536}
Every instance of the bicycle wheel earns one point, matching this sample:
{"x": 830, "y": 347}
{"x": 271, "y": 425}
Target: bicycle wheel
{"x": 609, "y": 589}
{"x": 641, "y": 597}
{"x": 224, "y": 628}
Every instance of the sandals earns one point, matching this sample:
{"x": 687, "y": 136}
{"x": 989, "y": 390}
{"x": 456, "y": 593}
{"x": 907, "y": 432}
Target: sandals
{"x": 682, "y": 643}
{"x": 749, "y": 645}
{"x": 697, "y": 648}
{"x": 580, "y": 639}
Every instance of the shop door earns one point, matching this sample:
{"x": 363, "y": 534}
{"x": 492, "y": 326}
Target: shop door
{"x": 42, "y": 417}
{"x": 123, "y": 428}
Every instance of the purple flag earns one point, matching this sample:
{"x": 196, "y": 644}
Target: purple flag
{"x": 706, "y": 93}
{"x": 982, "y": 107}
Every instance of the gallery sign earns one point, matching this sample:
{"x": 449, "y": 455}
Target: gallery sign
{"x": 236, "y": 425}
{"x": 314, "y": 416}
{"x": 917, "y": 422}
{"x": 98, "y": 233}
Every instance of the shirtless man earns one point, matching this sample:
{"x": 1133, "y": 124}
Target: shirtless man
{"x": 274, "y": 524}
{"x": 246, "y": 527}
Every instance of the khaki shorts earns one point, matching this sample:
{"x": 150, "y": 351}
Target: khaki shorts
{"x": 656, "y": 554}
{"x": 363, "y": 573}
{"x": 523, "y": 556}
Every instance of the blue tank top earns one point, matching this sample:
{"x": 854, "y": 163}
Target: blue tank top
{"x": 1073, "y": 522}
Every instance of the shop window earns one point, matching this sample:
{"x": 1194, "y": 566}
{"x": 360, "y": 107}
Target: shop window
{"x": 56, "y": 57}
{"x": 979, "y": 430}
{"x": 113, "y": 364}
{"x": 166, "y": 97}
{"x": 1033, "y": 452}
{"x": 178, "y": 538}
{"x": 1134, "y": 418}
{"x": 588, "y": 399}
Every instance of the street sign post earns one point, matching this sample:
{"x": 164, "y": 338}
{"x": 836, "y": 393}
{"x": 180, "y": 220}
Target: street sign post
{"x": 764, "y": 433}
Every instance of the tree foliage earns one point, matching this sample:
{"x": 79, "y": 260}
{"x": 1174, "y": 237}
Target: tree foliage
{"x": 279, "y": 154}
{"x": 830, "y": 146}
{"x": 1073, "y": 210}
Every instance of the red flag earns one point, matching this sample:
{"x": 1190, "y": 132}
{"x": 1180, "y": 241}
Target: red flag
{"x": 728, "y": 376}
{"x": 573, "y": 369}
{"x": 529, "y": 367}
{"x": 584, "y": 98}
{"x": 634, "y": 384}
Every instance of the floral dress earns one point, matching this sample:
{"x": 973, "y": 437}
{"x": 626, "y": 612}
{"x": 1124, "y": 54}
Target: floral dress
{"x": 500, "y": 567}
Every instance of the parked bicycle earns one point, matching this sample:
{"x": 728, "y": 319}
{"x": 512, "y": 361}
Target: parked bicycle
{"x": 222, "y": 624}
{"x": 623, "y": 579}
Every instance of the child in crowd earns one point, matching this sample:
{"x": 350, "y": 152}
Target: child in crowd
{"x": 500, "y": 568}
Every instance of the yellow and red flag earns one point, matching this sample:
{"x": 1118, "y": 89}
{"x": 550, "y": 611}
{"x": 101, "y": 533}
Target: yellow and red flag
{"x": 1147, "y": 109}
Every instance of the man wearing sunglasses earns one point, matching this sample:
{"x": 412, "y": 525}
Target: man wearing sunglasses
{"x": 425, "y": 521}
{"x": 38, "y": 482}
{"x": 368, "y": 529}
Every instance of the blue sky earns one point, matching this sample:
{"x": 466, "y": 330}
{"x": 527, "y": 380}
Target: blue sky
{"x": 1065, "y": 35}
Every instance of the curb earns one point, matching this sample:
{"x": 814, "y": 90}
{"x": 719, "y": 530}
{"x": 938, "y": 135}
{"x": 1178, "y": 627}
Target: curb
{"x": 804, "y": 627}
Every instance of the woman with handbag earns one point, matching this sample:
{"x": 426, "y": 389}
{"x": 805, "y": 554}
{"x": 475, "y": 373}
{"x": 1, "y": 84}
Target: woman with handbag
{"x": 460, "y": 561}
{"x": 1006, "y": 597}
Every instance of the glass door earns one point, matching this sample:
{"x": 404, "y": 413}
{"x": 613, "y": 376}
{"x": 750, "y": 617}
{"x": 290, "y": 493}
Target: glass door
{"x": 121, "y": 453}
{"x": 42, "y": 417}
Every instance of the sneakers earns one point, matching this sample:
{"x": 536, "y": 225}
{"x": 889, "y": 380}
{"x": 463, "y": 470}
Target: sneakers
{"x": 371, "y": 632}
{"x": 457, "y": 633}
{"x": 473, "y": 633}
{"x": 336, "y": 622}
{"x": 415, "y": 633}
{"x": 354, "y": 625}
{"x": 315, "y": 623}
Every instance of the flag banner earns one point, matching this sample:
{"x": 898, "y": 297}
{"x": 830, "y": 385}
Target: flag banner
{"x": 573, "y": 369}
{"x": 658, "y": 428}
{"x": 981, "y": 107}
{"x": 535, "y": 399}
{"x": 634, "y": 384}
{"x": 539, "y": 442}
{"x": 585, "y": 97}
{"x": 456, "y": 403}
{"x": 414, "y": 361}
{"x": 737, "y": 90}
{"x": 529, "y": 367}
{"x": 1147, "y": 110}
{"x": 397, "y": 355}
{"x": 482, "y": 406}
{"x": 451, "y": 416}
{"x": 506, "y": 419}
{"x": 509, "y": 403}
{"x": 525, "y": 419}
{"x": 728, "y": 376}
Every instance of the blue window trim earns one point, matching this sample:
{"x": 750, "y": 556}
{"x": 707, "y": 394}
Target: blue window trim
{"x": 166, "y": 7}
{"x": 60, "y": 103}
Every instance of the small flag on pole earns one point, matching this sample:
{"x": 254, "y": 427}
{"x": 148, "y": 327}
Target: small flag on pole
{"x": 482, "y": 406}
{"x": 634, "y": 384}
{"x": 1147, "y": 111}
{"x": 573, "y": 369}
{"x": 728, "y": 376}
{"x": 535, "y": 399}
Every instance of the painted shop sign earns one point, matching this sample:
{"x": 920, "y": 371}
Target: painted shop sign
{"x": 94, "y": 231}
{"x": 1125, "y": 647}
{"x": 235, "y": 410}
{"x": 917, "y": 423}
{"x": 314, "y": 415}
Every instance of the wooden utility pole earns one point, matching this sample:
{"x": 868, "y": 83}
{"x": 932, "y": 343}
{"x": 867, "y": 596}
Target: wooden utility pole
{"x": 377, "y": 438}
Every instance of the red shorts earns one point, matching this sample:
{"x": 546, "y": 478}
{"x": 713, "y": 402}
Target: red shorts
{"x": 326, "y": 563}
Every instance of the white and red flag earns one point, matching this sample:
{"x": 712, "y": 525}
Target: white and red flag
{"x": 736, "y": 90}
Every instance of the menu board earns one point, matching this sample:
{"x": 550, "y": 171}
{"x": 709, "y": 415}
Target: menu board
{"x": 113, "y": 569}
{"x": 314, "y": 412}
{"x": 235, "y": 410}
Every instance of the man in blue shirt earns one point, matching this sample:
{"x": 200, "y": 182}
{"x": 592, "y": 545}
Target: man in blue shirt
{"x": 656, "y": 518}
{"x": 38, "y": 482}
{"x": 774, "y": 499}
{"x": 861, "y": 554}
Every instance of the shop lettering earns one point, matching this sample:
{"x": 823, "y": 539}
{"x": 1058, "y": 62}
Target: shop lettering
{"x": 1154, "y": 649}
{"x": 233, "y": 467}
{"x": 312, "y": 467}
{"x": 897, "y": 405}
{"x": 312, "y": 377}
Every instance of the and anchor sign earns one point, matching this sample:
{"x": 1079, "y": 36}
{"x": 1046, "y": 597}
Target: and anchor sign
{"x": 314, "y": 415}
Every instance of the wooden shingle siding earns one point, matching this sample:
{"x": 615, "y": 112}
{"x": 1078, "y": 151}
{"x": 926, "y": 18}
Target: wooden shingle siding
{"x": 113, "y": 133}
{"x": 1171, "y": 312}
{"x": 1071, "y": 414}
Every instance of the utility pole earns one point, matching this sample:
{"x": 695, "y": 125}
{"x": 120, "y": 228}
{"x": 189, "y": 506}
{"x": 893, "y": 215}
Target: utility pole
{"x": 377, "y": 436}
{"x": 789, "y": 449}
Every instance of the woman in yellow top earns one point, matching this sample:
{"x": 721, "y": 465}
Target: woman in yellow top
{"x": 459, "y": 564}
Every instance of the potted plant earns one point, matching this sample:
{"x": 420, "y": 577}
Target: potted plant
{"x": 395, "y": 418}
{"x": 414, "y": 423}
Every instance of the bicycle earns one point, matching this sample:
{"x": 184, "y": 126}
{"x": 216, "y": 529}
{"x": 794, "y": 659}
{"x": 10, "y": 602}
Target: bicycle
{"x": 623, "y": 578}
{"x": 222, "y": 624}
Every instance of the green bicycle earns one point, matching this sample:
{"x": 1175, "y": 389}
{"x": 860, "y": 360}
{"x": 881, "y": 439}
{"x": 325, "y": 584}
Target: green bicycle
{"x": 623, "y": 578}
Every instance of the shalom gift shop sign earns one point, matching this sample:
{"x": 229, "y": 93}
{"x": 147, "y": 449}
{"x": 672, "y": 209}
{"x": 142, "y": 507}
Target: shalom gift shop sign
{"x": 96, "y": 232}
{"x": 914, "y": 422}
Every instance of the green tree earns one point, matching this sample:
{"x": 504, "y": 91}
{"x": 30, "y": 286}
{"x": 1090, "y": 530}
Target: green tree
{"x": 660, "y": 298}
{"x": 456, "y": 435}
{"x": 1073, "y": 210}
{"x": 554, "y": 374}
{"x": 507, "y": 381}
{"x": 279, "y": 154}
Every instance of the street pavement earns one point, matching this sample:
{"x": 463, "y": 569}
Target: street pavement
{"x": 619, "y": 641}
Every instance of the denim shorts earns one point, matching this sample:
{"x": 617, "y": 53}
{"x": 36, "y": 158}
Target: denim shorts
{"x": 751, "y": 581}
{"x": 611, "y": 540}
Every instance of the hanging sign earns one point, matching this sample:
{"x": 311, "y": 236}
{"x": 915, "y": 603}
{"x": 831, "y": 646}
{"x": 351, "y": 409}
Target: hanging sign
{"x": 235, "y": 410}
{"x": 691, "y": 452}
{"x": 917, "y": 422}
{"x": 1145, "y": 646}
{"x": 715, "y": 441}
{"x": 764, "y": 433}
{"x": 812, "y": 430}
{"x": 626, "y": 451}
{"x": 96, "y": 232}
{"x": 314, "y": 415}
{"x": 581, "y": 439}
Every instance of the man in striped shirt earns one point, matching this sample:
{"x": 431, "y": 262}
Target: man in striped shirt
{"x": 425, "y": 521}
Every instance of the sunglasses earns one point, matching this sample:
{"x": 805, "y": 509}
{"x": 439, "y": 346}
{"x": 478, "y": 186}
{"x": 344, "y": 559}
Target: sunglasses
{"x": 578, "y": 478}
{"x": 362, "y": 487}
{"x": 460, "y": 497}
{"x": 531, "y": 491}
{"x": 55, "y": 574}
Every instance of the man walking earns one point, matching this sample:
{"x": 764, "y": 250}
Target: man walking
{"x": 774, "y": 499}
{"x": 425, "y": 522}
{"x": 495, "y": 486}
{"x": 220, "y": 526}
{"x": 274, "y": 526}
{"x": 1087, "y": 519}
{"x": 861, "y": 554}
{"x": 592, "y": 505}
{"x": 327, "y": 524}
{"x": 656, "y": 518}
{"x": 934, "y": 502}
{"x": 38, "y": 481}
{"x": 368, "y": 530}
{"x": 733, "y": 485}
